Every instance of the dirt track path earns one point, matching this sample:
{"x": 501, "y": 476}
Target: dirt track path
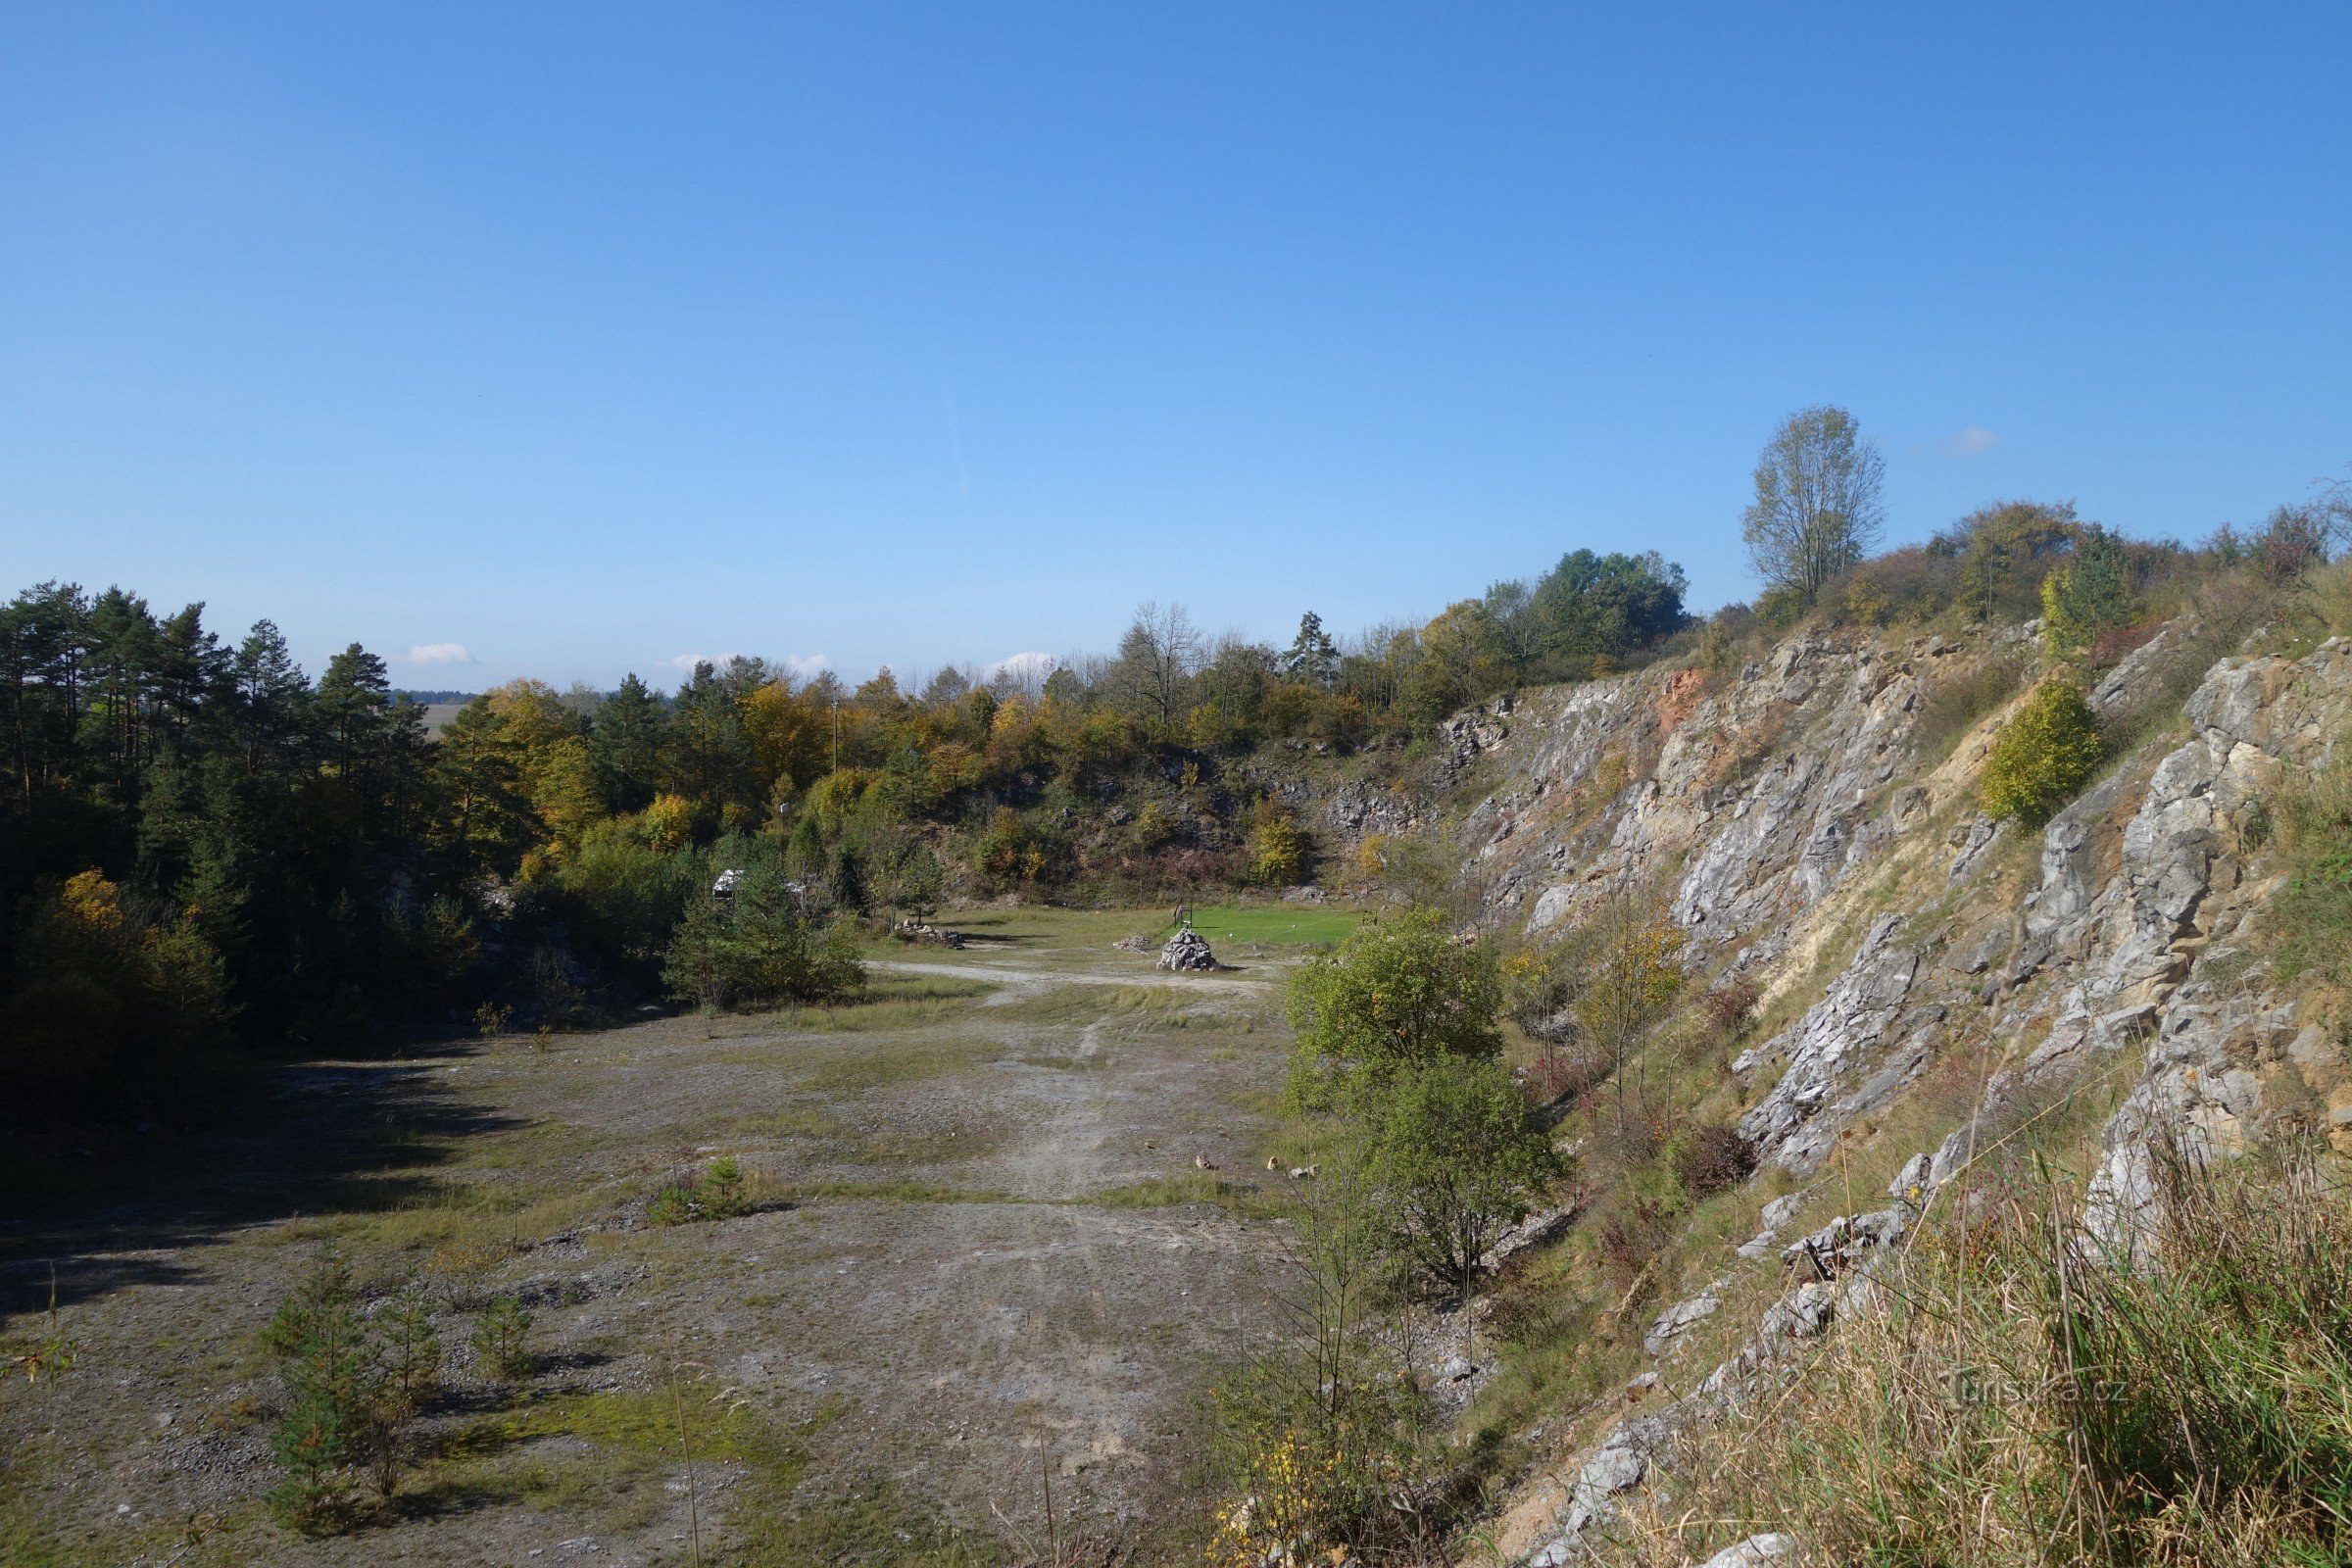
{"x": 1038, "y": 976}
{"x": 984, "y": 1268}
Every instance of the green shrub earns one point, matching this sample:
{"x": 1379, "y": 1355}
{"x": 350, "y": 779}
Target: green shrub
{"x": 2002, "y": 553}
{"x": 2088, "y": 593}
{"x": 1278, "y": 850}
{"x": 1316, "y": 1435}
{"x": 2044, "y": 756}
{"x": 1905, "y": 586}
{"x": 760, "y": 944}
{"x": 1400, "y": 992}
{"x": 720, "y": 1193}
{"x": 1458, "y": 1156}
{"x": 354, "y": 1386}
{"x": 620, "y": 893}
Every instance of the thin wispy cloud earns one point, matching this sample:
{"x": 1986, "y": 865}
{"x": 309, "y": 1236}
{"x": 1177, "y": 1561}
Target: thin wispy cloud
{"x": 441, "y": 653}
{"x": 687, "y": 662}
{"x": 803, "y": 666}
{"x": 1971, "y": 442}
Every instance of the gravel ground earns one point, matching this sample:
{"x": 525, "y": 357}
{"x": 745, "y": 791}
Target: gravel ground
{"x": 961, "y": 1284}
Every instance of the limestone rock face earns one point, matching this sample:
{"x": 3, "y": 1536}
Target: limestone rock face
{"x": 1766, "y": 793}
{"x": 1677, "y": 1320}
{"x": 1787, "y": 816}
{"x": 1838, "y": 1065}
{"x": 1787, "y": 820}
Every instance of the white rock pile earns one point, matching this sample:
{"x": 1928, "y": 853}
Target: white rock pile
{"x": 1188, "y": 949}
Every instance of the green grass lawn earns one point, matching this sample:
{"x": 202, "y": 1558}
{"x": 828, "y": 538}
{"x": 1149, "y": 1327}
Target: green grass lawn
{"x": 1044, "y": 933}
{"x": 1271, "y": 925}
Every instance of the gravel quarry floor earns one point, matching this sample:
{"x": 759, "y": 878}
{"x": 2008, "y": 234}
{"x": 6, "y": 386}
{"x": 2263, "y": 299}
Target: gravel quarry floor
{"x": 985, "y": 1261}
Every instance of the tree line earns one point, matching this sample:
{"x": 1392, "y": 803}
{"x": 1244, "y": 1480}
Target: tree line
{"x": 200, "y": 842}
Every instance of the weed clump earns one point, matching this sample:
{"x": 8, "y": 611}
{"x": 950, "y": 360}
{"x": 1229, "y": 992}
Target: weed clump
{"x": 1709, "y": 1160}
{"x": 1556, "y": 1076}
{"x": 1732, "y": 1005}
{"x": 1951, "y": 707}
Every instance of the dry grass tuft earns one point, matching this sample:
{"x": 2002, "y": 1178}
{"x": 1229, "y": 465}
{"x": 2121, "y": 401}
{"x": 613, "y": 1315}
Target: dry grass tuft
{"x": 2015, "y": 1394}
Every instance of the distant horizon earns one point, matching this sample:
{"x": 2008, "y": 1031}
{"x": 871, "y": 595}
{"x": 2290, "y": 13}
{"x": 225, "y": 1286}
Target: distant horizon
{"x": 570, "y": 343}
{"x": 666, "y": 677}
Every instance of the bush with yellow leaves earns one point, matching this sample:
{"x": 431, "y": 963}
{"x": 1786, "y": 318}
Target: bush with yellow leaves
{"x": 2045, "y": 755}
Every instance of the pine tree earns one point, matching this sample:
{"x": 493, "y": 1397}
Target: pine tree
{"x": 191, "y": 667}
{"x": 271, "y": 694}
{"x": 123, "y": 650}
{"x": 703, "y": 965}
{"x": 627, "y": 746}
{"x": 354, "y": 708}
{"x": 1312, "y": 658}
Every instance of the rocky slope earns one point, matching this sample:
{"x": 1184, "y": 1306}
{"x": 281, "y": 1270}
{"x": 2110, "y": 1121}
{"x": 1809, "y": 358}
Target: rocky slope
{"x": 1812, "y": 828}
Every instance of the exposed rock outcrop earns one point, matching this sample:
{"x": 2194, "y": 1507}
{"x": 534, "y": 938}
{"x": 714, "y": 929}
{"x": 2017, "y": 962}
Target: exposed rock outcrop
{"x": 1789, "y": 823}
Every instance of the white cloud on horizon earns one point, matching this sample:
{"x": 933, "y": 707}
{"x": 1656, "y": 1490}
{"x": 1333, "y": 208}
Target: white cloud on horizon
{"x": 1971, "y": 442}
{"x": 1031, "y": 665}
{"x": 802, "y": 665}
{"x": 441, "y": 653}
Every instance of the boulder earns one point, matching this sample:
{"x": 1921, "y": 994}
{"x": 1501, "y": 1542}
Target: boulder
{"x": 1914, "y": 1181}
{"x": 1777, "y": 1213}
{"x": 1188, "y": 949}
{"x": 1804, "y": 1313}
{"x": 1620, "y": 1465}
{"x": 1843, "y": 1241}
{"x": 1672, "y": 1323}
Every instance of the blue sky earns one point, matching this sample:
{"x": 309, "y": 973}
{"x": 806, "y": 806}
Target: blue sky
{"x": 586, "y": 338}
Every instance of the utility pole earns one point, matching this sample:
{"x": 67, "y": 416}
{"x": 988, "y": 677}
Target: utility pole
{"x": 836, "y": 734}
